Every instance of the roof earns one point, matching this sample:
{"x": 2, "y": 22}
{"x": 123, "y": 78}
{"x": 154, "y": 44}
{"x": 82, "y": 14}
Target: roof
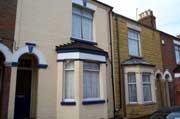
{"x": 80, "y": 46}
{"x": 103, "y": 4}
{"x": 136, "y": 61}
{"x": 116, "y": 14}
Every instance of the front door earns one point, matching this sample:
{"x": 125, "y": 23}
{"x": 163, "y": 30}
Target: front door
{"x": 23, "y": 94}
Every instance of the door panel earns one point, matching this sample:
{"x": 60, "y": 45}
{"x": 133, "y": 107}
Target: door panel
{"x": 23, "y": 94}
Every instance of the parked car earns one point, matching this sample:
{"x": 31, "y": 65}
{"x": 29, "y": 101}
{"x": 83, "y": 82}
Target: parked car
{"x": 166, "y": 113}
{"x": 173, "y": 115}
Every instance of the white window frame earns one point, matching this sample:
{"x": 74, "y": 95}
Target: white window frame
{"x": 150, "y": 83}
{"x": 135, "y": 83}
{"x": 64, "y": 78}
{"x": 137, "y": 40}
{"x": 82, "y": 16}
{"x": 88, "y": 98}
{"x": 139, "y": 70}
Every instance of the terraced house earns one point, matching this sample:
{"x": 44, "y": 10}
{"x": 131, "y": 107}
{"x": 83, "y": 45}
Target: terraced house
{"x": 171, "y": 58}
{"x": 60, "y": 65}
{"x": 138, "y": 69}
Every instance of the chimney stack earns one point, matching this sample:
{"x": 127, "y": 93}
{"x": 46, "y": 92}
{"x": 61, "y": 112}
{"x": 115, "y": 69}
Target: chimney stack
{"x": 147, "y": 18}
{"x": 178, "y": 36}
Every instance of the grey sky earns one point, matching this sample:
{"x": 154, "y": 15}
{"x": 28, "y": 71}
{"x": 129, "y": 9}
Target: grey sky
{"x": 167, "y": 12}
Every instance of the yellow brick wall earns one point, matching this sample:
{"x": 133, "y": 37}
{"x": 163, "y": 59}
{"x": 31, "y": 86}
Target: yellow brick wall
{"x": 151, "y": 51}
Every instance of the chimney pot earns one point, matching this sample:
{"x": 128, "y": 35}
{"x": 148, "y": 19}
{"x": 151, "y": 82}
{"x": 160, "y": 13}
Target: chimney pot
{"x": 147, "y": 18}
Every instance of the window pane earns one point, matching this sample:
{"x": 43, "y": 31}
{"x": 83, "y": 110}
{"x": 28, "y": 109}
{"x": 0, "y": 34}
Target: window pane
{"x": 82, "y": 23}
{"x": 76, "y": 10}
{"x": 87, "y": 28}
{"x": 147, "y": 92}
{"x": 133, "y": 42}
{"x": 147, "y": 87}
{"x": 177, "y": 52}
{"x": 91, "y": 66}
{"x": 133, "y": 47}
{"x": 91, "y": 85}
{"x": 132, "y": 92}
{"x": 133, "y": 34}
{"x": 69, "y": 80}
{"x": 76, "y": 26}
{"x": 69, "y": 65}
{"x": 87, "y": 14}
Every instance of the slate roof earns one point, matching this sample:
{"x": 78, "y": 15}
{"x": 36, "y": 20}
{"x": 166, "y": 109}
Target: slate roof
{"x": 137, "y": 61}
{"x": 76, "y": 45}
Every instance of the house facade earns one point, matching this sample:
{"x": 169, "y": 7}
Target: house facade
{"x": 61, "y": 61}
{"x": 7, "y": 28}
{"x": 138, "y": 67}
{"x": 170, "y": 54}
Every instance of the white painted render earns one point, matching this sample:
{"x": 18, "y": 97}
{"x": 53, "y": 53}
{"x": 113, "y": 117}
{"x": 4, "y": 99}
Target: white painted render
{"x": 48, "y": 24}
{"x": 6, "y": 52}
{"x": 82, "y": 56}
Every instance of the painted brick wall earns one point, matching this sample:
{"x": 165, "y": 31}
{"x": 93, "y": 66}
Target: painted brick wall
{"x": 151, "y": 51}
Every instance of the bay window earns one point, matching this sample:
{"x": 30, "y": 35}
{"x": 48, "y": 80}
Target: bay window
{"x": 132, "y": 92}
{"x": 133, "y": 42}
{"x": 68, "y": 81}
{"x": 82, "y": 23}
{"x": 91, "y": 82}
{"x": 146, "y": 82}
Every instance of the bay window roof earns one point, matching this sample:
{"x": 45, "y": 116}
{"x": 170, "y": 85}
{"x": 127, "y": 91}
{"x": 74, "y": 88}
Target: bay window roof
{"x": 137, "y": 61}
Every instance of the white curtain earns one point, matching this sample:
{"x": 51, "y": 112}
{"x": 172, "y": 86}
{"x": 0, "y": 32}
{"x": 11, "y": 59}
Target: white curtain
{"x": 147, "y": 87}
{"x": 69, "y": 81}
{"x": 91, "y": 85}
{"x": 87, "y": 23}
{"x": 133, "y": 42}
{"x": 82, "y": 23}
{"x": 132, "y": 91}
{"x": 76, "y": 23}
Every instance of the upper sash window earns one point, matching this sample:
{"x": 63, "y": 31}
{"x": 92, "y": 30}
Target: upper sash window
{"x": 82, "y": 23}
{"x": 133, "y": 42}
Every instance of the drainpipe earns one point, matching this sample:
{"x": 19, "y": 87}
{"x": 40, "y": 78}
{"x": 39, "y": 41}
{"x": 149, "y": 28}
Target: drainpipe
{"x": 121, "y": 82}
{"x": 112, "y": 66}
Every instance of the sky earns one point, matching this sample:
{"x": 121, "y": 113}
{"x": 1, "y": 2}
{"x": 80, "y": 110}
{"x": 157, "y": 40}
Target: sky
{"x": 167, "y": 12}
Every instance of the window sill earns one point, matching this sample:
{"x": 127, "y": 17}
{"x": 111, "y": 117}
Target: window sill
{"x": 149, "y": 103}
{"x": 84, "y": 41}
{"x": 133, "y": 103}
{"x": 68, "y": 103}
{"x": 91, "y": 102}
{"x": 138, "y": 57}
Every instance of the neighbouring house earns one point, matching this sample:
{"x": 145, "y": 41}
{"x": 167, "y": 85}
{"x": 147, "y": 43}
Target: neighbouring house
{"x": 138, "y": 67}
{"x": 61, "y": 61}
{"x": 170, "y": 46}
{"x": 7, "y": 28}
